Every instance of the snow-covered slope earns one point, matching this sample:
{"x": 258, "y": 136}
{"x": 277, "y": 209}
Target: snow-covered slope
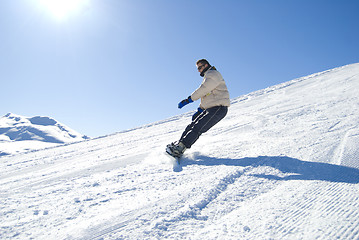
{"x": 20, "y": 134}
{"x": 283, "y": 164}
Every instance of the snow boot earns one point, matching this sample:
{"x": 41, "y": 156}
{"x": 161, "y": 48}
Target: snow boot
{"x": 176, "y": 149}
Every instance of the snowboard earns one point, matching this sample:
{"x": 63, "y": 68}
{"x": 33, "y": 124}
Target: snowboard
{"x": 176, "y": 161}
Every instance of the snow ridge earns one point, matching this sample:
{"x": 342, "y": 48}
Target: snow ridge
{"x": 20, "y": 134}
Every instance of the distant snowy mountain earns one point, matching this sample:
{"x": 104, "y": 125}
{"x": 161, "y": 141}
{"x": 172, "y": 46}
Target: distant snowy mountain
{"x": 283, "y": 164}
{"x": 19, "y": 133}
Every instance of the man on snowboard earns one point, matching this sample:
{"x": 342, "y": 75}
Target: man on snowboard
{"x": 214, "y": 105}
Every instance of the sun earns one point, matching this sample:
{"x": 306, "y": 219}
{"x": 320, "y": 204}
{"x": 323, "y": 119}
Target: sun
{"x": 62, "y": 9}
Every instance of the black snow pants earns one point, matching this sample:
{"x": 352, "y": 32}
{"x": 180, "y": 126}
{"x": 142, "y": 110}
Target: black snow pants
{"x": 202, "y": 123}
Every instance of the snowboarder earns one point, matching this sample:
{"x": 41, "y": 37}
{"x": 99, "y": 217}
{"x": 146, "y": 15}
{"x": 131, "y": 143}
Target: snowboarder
{"x": 214, "y": 105}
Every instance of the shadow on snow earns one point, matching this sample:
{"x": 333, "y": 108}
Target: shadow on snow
{"x": 302, "y": 170}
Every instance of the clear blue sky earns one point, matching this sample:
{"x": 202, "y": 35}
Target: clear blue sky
{"x": 103, "y": 66}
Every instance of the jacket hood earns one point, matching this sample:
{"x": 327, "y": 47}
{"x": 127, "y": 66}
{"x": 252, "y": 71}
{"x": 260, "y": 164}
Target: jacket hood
{"x": 206, "y": 69}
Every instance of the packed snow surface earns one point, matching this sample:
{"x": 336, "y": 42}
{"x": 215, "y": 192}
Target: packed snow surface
{"x": 20, "y": 134}
{"x": 283, "y": 164}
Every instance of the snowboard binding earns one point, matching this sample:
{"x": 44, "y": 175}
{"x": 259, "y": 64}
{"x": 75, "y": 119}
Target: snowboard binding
{"x": 176, "y": 150}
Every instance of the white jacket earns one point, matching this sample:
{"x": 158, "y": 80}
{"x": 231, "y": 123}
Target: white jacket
{"x": 213, "y": 90}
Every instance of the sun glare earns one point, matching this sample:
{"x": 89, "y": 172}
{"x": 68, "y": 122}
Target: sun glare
{"x": 62, "y": 9}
